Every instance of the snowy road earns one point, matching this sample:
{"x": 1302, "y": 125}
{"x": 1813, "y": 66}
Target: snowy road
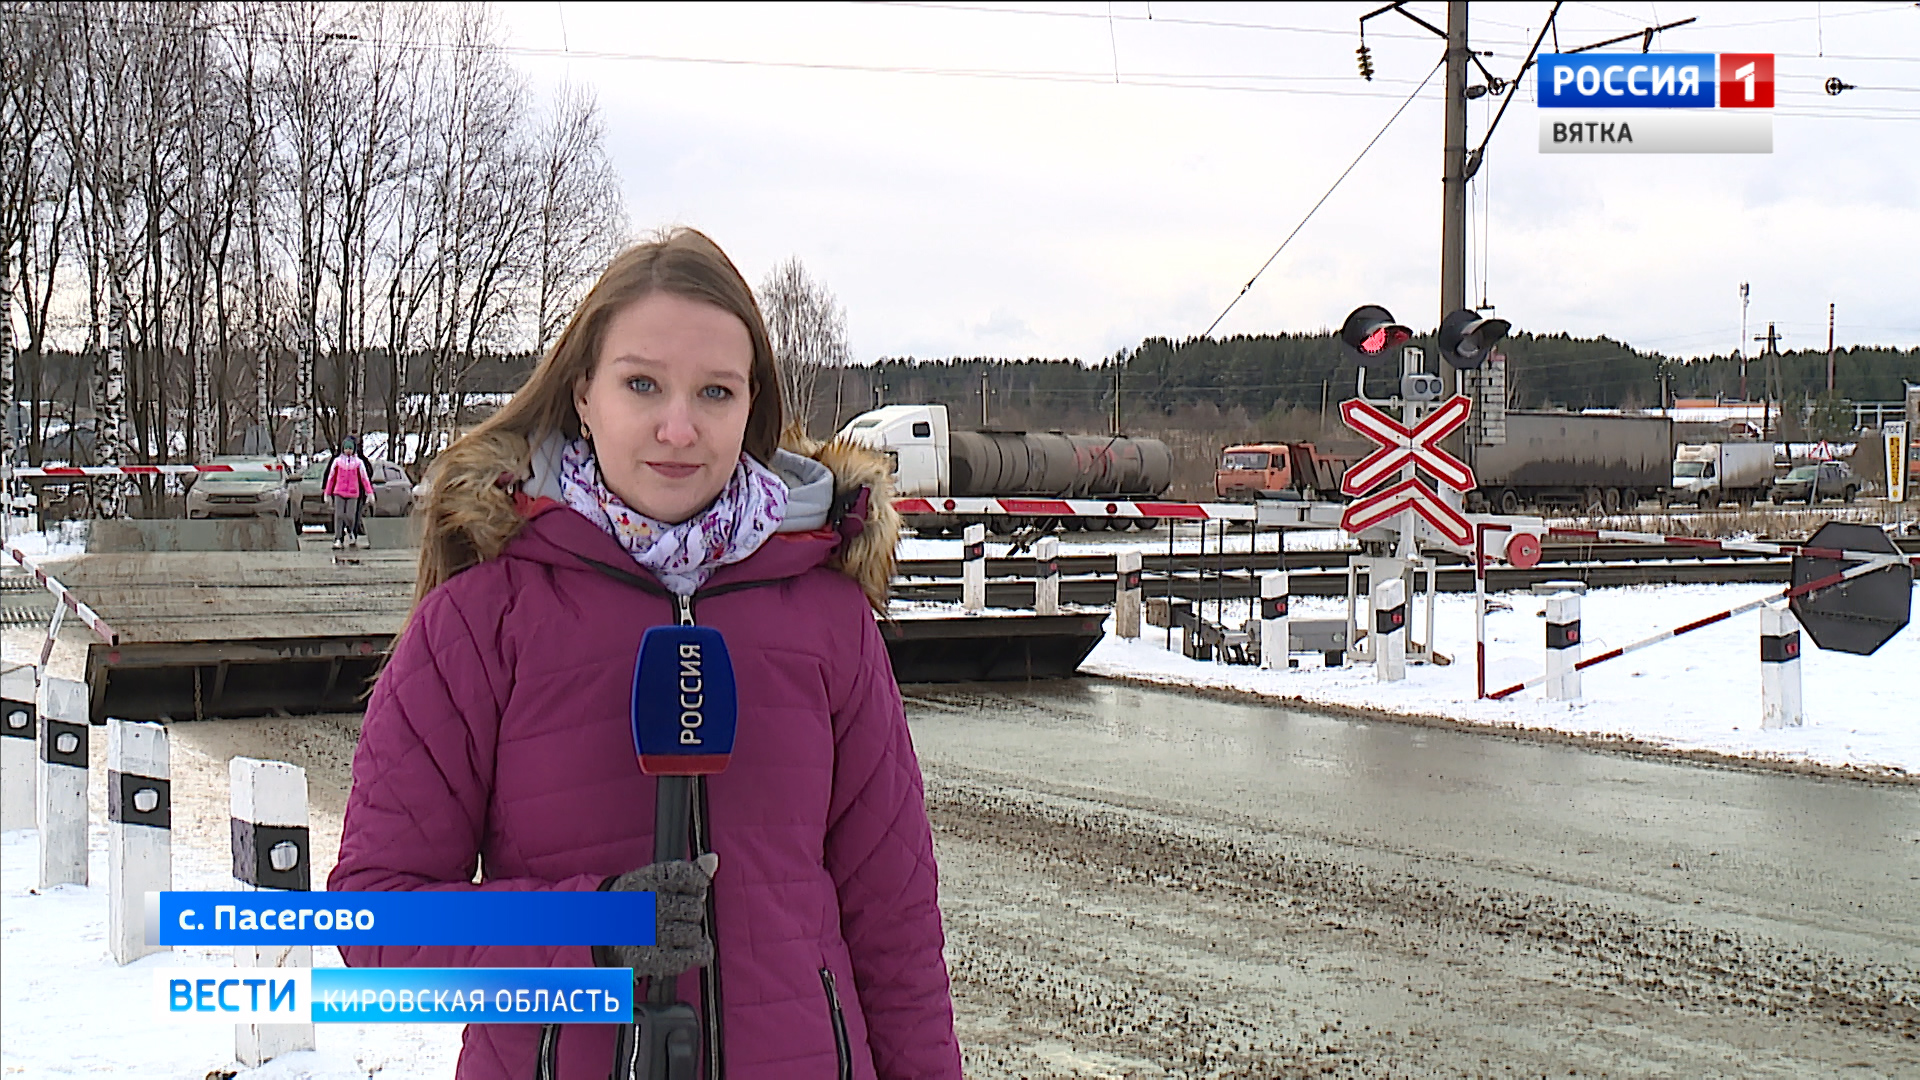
{"x": 1141, "y": 883}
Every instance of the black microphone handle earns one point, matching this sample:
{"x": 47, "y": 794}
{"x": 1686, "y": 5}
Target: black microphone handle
{"x": 672, "y": 818}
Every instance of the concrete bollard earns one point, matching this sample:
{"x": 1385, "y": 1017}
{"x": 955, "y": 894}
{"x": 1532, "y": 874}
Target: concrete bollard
{"x": 973, "y": 569}
{"x": 61, "y": 815}
{"x": 1276, "y": 641}
{"x": 1390, "y": 629}
{"x": 139, "y": 833}
{"x": 18, "y": 725}
{"x": 1780, "y": 701}
{"x": 1563, "y": 647}
{"x": 1046, "y": 586}
{"x": 270, "y": 851}
{"x": 1126, "y": 600}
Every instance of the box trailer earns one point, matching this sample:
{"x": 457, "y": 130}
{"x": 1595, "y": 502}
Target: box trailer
{"x": 1596, "y": 463}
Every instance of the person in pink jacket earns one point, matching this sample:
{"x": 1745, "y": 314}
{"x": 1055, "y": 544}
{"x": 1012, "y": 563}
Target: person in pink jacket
{"x": 347, "y": 488}
{"x": 641, "y": 471}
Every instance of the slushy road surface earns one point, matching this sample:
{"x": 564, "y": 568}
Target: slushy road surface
{"x": 1141, "y": 883}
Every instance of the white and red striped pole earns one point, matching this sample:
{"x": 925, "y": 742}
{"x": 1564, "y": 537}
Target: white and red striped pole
{"x": 86, "y": 614}
{"x": 78, "y": 471}
{"x": 1751, "y": 547}
{"x": 1080, "y": 508}
{"x": 1815, "y": 585}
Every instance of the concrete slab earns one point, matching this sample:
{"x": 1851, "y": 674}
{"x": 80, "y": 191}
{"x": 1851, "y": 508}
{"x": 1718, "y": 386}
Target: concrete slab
{"x": 174, "y": 534}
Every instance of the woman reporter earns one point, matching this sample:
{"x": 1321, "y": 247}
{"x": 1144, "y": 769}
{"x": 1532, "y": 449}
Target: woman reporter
{"x": 637, "y": 471}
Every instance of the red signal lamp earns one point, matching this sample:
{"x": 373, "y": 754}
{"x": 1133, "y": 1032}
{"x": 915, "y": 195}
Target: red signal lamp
{"x": 1370, "y": 332}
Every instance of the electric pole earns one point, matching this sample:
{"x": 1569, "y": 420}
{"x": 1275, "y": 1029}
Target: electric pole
{"x": 1771, "y": 353}
{"x": 1453, "y": 202}
{"x": 1743, "y": 342}
{"x": 1829, "y": 348}
{"x": 1453, "y": 172}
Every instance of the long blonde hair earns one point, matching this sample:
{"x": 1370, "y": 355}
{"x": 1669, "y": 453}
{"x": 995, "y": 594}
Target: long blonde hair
{"x": 469, "y": 516}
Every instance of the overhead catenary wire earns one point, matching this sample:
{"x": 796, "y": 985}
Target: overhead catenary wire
{"x": 1323, "y": 198}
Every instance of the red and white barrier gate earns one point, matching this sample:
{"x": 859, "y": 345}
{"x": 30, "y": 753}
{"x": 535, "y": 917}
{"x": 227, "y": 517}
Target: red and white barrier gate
{"x": 68, "y": 602}
{"x": 1092, "y": 508}
{"x": 1880, "y": 561}
{"x": 1755, "y": 547}
{"x": 1518, "y": 544}
{"x": 81, "y": 471}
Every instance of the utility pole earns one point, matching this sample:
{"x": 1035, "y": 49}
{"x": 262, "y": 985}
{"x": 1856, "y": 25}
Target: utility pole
{"x": 1453, "y": 203}
{"x": 983, "y": 397}
{"x": 1743, "y": 342}
{"x": 1771, "y": 352}
{"x": 1453, "y": 173}
{"x": 1829, "y": 348}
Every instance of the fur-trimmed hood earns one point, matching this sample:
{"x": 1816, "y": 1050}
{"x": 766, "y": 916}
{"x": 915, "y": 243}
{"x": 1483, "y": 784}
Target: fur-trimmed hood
{"x": 487, "y": 489}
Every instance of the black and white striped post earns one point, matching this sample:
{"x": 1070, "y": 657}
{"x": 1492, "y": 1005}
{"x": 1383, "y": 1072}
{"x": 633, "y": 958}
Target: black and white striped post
{"x": 18, "y": 724}
{"x": 271, "y": 850}
{"x": 61, "y": 815}
{"x": 1046, "y": 585}
{"x": 973, "y": 568}
{"x": 1390, "y": 629}
{"x": 1276, "y": 641}
{"x": 139, "y": 833}
{"x": 1563, "y": 646}
{"x": 1126, "y": 600}
{"x": 1780, "y": 701}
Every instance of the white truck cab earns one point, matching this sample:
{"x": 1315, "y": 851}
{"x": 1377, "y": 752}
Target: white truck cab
{"x": 914, "y": 438}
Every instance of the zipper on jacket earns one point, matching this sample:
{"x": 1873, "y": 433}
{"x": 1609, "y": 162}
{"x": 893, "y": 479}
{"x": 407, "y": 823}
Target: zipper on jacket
{"x": 841, "y": 1047}
{"x": 683, "y": 605}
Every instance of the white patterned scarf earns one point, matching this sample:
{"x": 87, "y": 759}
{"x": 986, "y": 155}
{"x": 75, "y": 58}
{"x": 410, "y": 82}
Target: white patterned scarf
{"x": 748, "y": 511}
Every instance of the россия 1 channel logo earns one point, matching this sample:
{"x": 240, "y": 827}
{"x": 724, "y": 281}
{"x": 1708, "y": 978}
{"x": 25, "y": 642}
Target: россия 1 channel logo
{"x": 1656, "y": 103}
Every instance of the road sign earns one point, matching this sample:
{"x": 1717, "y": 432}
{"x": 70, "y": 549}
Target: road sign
{"x": 1856, "y": 616}
{"x": 1401, "y": 445}
{"x": 1409, "y": 494}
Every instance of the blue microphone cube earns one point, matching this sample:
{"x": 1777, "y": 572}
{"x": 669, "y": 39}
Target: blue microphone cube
{"x": 684, "y": 703}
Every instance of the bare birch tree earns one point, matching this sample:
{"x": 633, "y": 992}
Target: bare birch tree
{"x": 230, "y": 210}
{"x": 582, "y": 220}
{"x": 808, "y": 329}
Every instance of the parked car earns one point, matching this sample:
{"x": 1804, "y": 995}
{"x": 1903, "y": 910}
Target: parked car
{"x": 261, "y": 492}
{"x": 392, "y": 492}
{"x": 1815, "y": 482}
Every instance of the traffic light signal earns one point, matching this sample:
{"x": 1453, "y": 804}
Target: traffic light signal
{"x": 1466, "y": 338}
{"x": 1370, "y": 333}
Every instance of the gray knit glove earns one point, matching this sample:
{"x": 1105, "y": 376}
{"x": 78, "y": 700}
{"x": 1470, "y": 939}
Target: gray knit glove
{"x": 681, "y": 944}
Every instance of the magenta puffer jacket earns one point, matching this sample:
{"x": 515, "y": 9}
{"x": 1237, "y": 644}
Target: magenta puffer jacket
{"x": 498, "y": 741}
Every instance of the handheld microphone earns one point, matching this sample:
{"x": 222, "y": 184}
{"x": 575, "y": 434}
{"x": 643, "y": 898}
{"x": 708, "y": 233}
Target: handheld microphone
{"x": 684, "y": 704}
{"x": 685, "y": 708}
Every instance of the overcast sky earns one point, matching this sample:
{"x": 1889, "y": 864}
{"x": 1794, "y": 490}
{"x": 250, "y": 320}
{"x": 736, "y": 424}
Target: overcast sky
{"x": 1098, "y": 179}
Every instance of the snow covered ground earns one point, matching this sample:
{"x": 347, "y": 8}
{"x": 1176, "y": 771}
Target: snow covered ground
{"x": 1696, "y": 692}
{"x": 64, "y": 539}
{"x": 69, "y": 1010}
